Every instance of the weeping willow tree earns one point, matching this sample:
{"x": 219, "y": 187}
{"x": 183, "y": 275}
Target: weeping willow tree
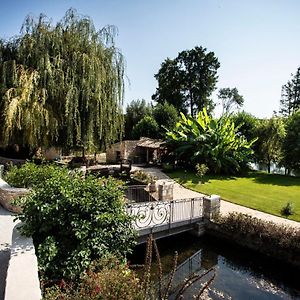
{"x": 61, "y": 85}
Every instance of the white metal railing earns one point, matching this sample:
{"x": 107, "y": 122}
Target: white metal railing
{"x": 153, "y": 214}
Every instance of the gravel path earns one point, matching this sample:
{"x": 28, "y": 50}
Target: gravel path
{"x": 181, "y": 192}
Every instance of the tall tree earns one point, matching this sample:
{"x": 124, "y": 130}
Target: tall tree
{"x": 271, "y": 133}
{"x": 188, "y": 80}
{"x": 291, "y": 143}
{"x": 230, "y": 99}
{"x": 170, "y": 83}
{"x": 290, "y": 95}
{"x": 61, "y": 84}
{"x": 135, "y": 111}
{"x": 246, "y": 124}
{"x": 146, "y": 127}
{"x": 166, "y": 117}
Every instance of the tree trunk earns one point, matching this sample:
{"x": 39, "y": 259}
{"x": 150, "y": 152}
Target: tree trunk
{"x": 269, "y": 167}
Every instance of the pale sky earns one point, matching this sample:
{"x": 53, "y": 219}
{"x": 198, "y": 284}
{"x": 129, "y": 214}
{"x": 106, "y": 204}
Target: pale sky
{"x": 257, "y": 42}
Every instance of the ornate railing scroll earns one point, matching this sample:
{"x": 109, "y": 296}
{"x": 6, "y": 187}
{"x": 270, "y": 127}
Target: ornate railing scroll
{"x": 152, "y": 214}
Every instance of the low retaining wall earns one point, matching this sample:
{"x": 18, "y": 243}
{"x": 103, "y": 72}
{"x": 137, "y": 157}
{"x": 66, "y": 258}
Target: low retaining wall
{"x": 254, "y": 242}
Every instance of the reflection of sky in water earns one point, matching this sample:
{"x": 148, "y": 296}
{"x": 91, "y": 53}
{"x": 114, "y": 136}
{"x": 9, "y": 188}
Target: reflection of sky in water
{"x": 235, "y": 282}
{"x": 240, "y": 274}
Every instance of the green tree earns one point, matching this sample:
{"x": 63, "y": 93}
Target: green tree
{"x": 246, "y": 124}
{"x": 271, "y": 133}
{"x": 146, "y": 127}
{"x": 170, "y": 85}
{"x": 188, "y": 80}
{"x": 291, "y": 143}
{"x": 230, "y": 99}
{"x": 135, "y": 111}
{"x": 61, "y": 84}
{"x": 166, "y": 116}
{"x": 290, "y": 95}
{"x": 213, "y": 142}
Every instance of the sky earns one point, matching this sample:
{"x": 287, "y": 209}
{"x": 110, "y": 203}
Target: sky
{"x": 256, "y": 41}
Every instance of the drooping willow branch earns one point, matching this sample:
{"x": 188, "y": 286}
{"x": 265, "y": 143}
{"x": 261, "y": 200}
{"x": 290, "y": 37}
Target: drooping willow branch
{"x": 61, "y": 84}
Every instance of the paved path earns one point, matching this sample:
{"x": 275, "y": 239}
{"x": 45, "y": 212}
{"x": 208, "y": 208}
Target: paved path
{"x": 6, "y": 228}
{"x": 181, "y": 192}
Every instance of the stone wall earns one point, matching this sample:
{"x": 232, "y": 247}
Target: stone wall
{"x": 127, "y": 150}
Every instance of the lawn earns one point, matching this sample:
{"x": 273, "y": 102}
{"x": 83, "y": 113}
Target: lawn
{"x": 265, "y": 192}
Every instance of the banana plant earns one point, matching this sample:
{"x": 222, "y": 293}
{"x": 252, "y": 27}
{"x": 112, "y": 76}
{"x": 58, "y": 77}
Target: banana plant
{"x": 214, "y": 142}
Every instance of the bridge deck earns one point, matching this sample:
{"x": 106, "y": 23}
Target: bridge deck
{"x": 163, "y": 218}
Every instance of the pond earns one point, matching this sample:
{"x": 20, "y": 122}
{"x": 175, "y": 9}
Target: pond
{"x": 239, "y": 273}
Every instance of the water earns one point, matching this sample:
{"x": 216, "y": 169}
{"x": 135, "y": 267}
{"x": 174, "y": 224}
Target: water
{"x": 240, "y": 273}
{"x": 274, "y": 168}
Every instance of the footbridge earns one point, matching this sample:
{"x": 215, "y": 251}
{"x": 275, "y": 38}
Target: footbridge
{"x": 164, "y": 218}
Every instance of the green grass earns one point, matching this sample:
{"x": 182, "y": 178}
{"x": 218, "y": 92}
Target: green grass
{"x": 265, "y": 192}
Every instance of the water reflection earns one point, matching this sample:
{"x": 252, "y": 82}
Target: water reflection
{"x": 240, "y": 274}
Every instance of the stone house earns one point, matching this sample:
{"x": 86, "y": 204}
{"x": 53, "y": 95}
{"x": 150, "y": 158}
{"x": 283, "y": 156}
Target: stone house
{"x": 144, "y": 150}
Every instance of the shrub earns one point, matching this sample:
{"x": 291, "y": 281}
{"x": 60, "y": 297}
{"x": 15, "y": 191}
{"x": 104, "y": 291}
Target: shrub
{"x": 143, "y": 177}
{"x": 201, "y": 170}
{"x": 114, "y": 281}
{"x": 30, "y": 174}
{"x": 74, "y": 221}
{"x": 266, "y": 235}
{"x": 288, "y": 209}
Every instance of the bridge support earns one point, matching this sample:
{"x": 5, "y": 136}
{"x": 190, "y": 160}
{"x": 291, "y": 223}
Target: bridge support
{"x": 1, "y": 170}
{"x": 211, "y": 207}
{"x": 199, "y": 229}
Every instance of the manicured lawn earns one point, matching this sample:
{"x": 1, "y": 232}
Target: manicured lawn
{"x": 261, "y": 191}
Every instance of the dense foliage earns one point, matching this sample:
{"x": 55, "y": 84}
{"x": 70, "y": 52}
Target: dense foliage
{"x": 113, "y": 281}
{"x": 188, "y": 80}
{"x": 291, "y": 143}
{"x": 143, "y": 120}
{"x": 271, "y": 133}
{"x": 61, "y": 84}
{"x": 166, "y": 117}
{"x": 30, "y": 174}
{"x": 214, "y": 142}
{"x": 75, "y": 221}
{"x": 246, "y": 124}
{"x": 146, "y": 127}
{"x": 135, "y": 111}
{"x": 280, "y": 241}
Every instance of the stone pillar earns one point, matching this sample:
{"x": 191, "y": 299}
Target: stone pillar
{"x": 1, "y": 170}
{"x": 165, "y": 190}
{"x": 211, "y": 206}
